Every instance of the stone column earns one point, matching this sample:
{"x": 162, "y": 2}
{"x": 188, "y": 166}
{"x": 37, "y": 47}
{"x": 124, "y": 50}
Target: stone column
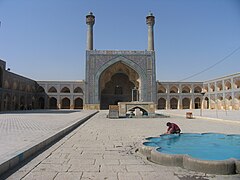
{"x": 90, "y": 20}
{"x": 150, "y": 20}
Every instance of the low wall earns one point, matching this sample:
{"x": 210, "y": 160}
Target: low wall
{"x": 35, "y": 148}
{"x": 225, "y": 167}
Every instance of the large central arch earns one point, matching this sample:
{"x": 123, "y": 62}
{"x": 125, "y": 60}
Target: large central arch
{"x": 116, "y": 84}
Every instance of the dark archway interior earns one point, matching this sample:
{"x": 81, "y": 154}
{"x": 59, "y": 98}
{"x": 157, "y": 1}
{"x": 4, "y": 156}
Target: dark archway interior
{"x": 118, "y": 89}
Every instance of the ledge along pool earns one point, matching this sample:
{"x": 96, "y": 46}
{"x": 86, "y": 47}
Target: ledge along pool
{"x": 206, "y": 146}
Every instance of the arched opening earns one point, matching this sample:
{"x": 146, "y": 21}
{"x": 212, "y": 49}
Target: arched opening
{"x": 219, "y": 86}
{"x": 15, "y": 85}
{"x": 65, "y": 103}
{"x": 52, "y": 103}
{"x": 65, "y": 90}
{"x": 1, "y": 77}
{"x": 173, "y": 89}
{"x": 22, "y": 103}
{"x": 6, "y": 84}
{"x": 173, "y": 103}
{"x": 116, "y": 84}
{"x": 237, "y": 83}
{"x": 205, "y": 88}
{"x": 14, "y": 102}
{"x": 212, "y": 88}
{"x": 186, "y": 103}
{"x": 228, "y": 102}
{"x": 206, "y": 103}
{"x": 212, "y": 103}
{"x": 138, "y": 111}
{"x": 78, "y": 103}
{"x": 33, "y": 102}
{"x": 41, "y": 103}
{"x": 52, "y": 90}
{"x": 219, "y": 102}
{"x": 162, "y": 103}
{"x": 197, "y": 89}
{"x": 161, "y": 89}
{"x": 237, "y": 102}
{"x": 7, "y": 102}
{"x": 185, "y": 89}
{"x": 197, "y": 103}
{"x": 78, "y": 90}
{"x": 228, "y": 85}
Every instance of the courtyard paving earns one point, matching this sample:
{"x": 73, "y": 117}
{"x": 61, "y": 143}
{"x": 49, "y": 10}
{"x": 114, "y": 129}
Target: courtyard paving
{"x": 105, "y": 148}
{"x": 21, "y": 130}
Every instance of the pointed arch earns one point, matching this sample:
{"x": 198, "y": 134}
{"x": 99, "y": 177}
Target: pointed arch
{"x": 173, "y": 89}
{"x": 212, "y": 88}
{"x": 197, "y": 89}
{"x": 206, "y": 103}
{"x": 116, "y": 84}
{"x": 186, "y": 103}
{"x": 186, "y": 89}
{"x": 162, "y": 103}
{"x": 65, "y": 103}
{"x": 78, "y": 90}
{"x": 7, "y": 102}
{"x": 41, "y": 103}
{"x": 65, "y": 90}
{"x": 219, "y": 86}
{"x": 173, "y": 103}
{"x": 197, "y": 103}
{"x": 228, "y": 85}
{"x": 52, "y": 90}
{"x": 161, "y": 89}
{"x": 52, "y": 103}
{"x": 142, "y": 76}
{"x": 78, "y": 103}
{"x": 237, "y": 83}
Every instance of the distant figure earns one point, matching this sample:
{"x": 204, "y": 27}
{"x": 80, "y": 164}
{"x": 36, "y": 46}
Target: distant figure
{"x": 172, "y": 128}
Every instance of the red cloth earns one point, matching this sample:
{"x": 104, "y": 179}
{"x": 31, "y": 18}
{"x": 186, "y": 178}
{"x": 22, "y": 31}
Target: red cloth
{"x": 173, "y": 128}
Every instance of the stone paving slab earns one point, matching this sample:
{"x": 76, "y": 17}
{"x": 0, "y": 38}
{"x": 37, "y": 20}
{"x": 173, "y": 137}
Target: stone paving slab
{"x": 24, "y": 133}
{"x": 105, "y": 148}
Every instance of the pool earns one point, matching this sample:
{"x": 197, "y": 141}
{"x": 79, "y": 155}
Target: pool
{"x": 208, "y": 152}
{"x": 208, "y": 146}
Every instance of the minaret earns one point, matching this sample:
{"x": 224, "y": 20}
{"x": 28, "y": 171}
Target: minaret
{"x": 150, "y": 20}
{"x": 90, "y": 20}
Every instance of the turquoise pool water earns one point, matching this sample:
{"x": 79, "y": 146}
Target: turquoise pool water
{"x": 207, "y": 146}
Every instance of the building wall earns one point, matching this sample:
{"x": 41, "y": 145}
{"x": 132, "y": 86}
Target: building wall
{"x": 222, "y": 93}
{"x": 63, "y": 94}
{"x": 179, "y": 95}
{"x": 17, "y": 92}
{"x": 141, "y": 62}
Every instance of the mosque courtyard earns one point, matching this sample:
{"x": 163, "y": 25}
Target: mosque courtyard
{"x": 103, "y": 148}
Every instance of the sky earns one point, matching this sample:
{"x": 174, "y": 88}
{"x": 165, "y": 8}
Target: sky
{"x": 46, "y": 39}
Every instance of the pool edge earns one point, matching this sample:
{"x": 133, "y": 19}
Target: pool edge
{"x": 218, "y": 167}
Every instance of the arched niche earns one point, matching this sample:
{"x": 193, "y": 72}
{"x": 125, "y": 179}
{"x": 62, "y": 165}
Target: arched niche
{"x": 116, "y": 84}
{"x": 78, "y": 90}
{"x": 173, "y": 89}
{"x": 52, "y": 90}
{"x": 65, "y": 90}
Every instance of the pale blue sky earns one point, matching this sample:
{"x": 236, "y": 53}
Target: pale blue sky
{"x": 46, "y": 39}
